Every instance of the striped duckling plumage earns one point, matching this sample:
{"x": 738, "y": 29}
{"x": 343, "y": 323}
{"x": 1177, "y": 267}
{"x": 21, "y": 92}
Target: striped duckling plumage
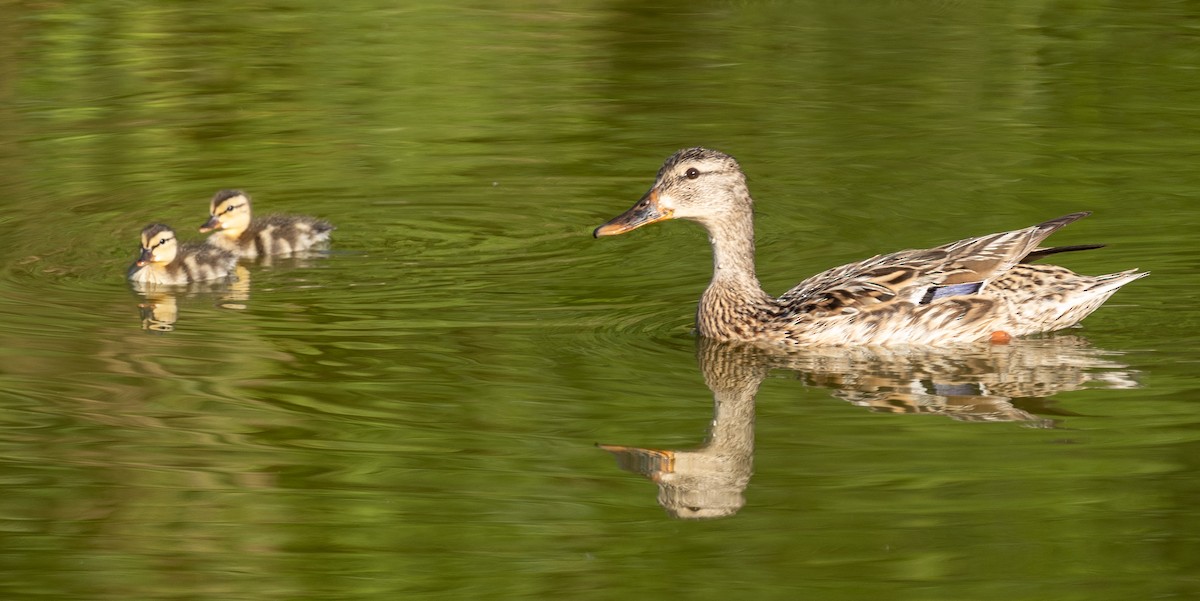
{"x": 166, "y": 261}
{"x": 977, "y": 289}
{"x": 250, "y": 238}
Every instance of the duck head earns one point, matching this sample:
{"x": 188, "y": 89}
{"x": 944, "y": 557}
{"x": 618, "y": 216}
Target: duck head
{"x": 695, "y": 183}
{"x": 229, "y": 213}
{"x": 158, "y": 245}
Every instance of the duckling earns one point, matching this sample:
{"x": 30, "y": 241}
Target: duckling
{"x": 167, "y": 262}
{"x": 270, "y": 235}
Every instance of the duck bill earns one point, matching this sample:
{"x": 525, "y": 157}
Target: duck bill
{"x": 212, "y": 224}
{"x": 146, "y": 257}
{"x": 647, "y": 210}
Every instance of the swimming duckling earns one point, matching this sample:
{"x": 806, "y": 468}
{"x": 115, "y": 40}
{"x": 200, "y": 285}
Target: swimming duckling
{"x": 270, "y": 235}
{"x": 165, "y": 261}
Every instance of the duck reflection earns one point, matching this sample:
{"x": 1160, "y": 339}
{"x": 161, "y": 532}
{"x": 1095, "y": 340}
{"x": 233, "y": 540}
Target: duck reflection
{"x": 708, "y": 482}
{"x": 986, "y": 382}
{"x": 159, "y": 304}
{"x": 975, "y": 383}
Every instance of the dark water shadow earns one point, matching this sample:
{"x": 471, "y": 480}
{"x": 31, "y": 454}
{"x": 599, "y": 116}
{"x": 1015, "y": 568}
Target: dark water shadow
{"x": 971, "y": 383}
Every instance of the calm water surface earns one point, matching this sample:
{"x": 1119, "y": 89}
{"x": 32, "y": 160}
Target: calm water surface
{"x": 468, "y": 397}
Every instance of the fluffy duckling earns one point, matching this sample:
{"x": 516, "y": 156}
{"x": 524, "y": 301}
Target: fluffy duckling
{"x": 270, "y": 235}
{"x": 165, "y": 261}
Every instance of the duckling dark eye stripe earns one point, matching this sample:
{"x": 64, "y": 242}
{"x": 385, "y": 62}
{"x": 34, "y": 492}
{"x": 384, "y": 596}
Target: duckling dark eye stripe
{"x": 162, "y": 242}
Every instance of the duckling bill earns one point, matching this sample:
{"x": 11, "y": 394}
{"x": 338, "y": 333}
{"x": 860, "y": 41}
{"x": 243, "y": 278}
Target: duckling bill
{"x": 237, "y": 233}
{"x": 164, "y": 260}
{"x": 976, "y": 289}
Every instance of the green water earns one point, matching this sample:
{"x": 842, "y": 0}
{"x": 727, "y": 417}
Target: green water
{"x": 416, "y": 414}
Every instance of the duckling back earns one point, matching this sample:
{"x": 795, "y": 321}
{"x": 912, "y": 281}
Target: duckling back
{"x": 199, "y": 262}
{"x": 276, "y": 235}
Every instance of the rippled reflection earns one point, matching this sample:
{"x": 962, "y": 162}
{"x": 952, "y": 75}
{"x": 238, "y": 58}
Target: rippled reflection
{"x": 973, "y": 383}
{"x": 708, "y": 482}
{"x": 158, "y": 304}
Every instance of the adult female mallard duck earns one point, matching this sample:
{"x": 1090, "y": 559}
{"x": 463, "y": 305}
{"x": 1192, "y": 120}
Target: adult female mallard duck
{"x": 270, "y": 235}
{"x": 977, "y": 289}
{"x": 167, "y": 262}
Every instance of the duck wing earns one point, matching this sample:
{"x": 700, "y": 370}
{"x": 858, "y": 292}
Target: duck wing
{"x": 921, "y": 276}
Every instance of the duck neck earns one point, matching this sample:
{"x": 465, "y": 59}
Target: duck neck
{"x": 734, "y": 296}
{"x": 733, "y": 253}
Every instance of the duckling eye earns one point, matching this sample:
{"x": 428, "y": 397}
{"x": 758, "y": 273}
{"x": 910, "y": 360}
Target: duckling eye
{"x": 692, "y": 173}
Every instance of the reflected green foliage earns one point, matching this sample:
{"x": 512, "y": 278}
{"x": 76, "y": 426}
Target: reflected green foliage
{"x": 415, "y": 415}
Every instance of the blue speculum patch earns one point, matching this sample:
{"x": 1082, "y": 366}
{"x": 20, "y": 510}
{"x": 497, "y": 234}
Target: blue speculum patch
{"x": 952, "y": 290}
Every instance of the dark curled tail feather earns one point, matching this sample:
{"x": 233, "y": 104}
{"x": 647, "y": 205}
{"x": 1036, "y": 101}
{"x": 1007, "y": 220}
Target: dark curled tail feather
{"x": 1044, "y": 229}
{"x": 1045, "y": 252}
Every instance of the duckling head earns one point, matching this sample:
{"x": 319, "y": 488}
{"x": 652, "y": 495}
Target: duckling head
{"x": 159, "y": 246}
{"x": 695, "y": 183}
{"x": 229, "y": 213}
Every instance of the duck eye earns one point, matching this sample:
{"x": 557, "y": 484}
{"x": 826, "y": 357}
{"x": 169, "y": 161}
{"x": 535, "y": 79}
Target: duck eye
{"x": 692, "y": 173}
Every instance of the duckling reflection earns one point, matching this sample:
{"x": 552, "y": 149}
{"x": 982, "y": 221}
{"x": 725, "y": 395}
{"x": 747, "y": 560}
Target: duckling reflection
{"x": 159, "y": 304}
{"x": 976, "y": 383}
{"x": 159, "y": 310}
